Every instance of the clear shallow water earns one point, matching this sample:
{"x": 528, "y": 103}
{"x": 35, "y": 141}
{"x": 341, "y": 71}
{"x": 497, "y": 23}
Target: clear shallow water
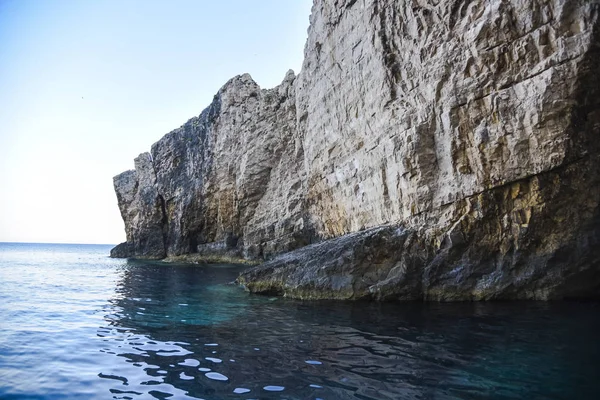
{"x": 75, "y": 324}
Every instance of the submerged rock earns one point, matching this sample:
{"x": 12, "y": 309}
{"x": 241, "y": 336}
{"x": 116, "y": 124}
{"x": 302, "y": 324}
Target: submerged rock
{"x": 437, "y": 151}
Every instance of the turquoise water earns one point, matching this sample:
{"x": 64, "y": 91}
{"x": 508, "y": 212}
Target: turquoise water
{"x": 75, "y": 324}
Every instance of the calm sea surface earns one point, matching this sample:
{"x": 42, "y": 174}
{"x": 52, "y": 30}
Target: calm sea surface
{"x": 75, "y": 324}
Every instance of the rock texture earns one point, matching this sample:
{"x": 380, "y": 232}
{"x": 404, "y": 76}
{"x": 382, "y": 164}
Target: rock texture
{"x": 226, "y": 183}
{"x": 438, "y": 150}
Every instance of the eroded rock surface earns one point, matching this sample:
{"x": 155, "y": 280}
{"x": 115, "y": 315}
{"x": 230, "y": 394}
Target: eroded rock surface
{"x": 226, "y": 182}
{"x": 524, "y": 240}
{"x": 440, "y": 150}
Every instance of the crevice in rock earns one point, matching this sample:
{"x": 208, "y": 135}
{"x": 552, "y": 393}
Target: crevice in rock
{"x": 347, "y": 7}
{"x": 513, "y": 83}
{"x": 512, "y": 41}
{"x": 164, "y": 221}
{"x": 558, "y": 168}
{"x": 458, "y": 7}
{"x": 386, "y": 192}
{"x": 528, "y": 77}
{"x": 390, "y": 58}
{"x": 585, "y": 118}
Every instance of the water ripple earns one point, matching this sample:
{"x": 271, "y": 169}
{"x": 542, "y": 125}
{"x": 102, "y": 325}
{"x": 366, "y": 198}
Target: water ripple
{"x": 102, "y": 328}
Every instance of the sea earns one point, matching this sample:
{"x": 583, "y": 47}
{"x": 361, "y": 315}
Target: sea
{"x": 76, "y": 324}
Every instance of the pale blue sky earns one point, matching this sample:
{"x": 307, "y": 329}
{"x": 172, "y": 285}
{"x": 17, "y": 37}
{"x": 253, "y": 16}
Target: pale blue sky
{"x": 85, "y": 86}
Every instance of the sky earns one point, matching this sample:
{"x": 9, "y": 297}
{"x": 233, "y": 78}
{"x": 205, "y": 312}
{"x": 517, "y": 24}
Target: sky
{"x": 85, "y": 86}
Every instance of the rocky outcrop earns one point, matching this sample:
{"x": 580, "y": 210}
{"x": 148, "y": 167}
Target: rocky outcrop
{"x": 525, "y": 240}
{"x": 143, "y": 210}
{"x": 226, "y": 183}
{"x": 428, "y": 150}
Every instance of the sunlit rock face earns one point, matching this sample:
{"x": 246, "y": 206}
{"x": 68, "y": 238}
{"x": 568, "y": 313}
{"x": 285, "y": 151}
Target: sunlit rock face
{"x": 142, "y": 208}
{"x": 228, "y": 181}
{"x": 459, "y": 138}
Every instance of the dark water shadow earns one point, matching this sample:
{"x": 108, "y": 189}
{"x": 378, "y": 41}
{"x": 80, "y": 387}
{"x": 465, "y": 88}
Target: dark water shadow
{"x": 175, "y": 324}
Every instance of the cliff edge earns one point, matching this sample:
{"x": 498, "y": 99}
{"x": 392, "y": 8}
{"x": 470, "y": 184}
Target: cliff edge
{"x": 427, "y": 150}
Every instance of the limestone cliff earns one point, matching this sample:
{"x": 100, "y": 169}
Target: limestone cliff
{"x": 442, "y": 150}
{"x": 225, "y": 183}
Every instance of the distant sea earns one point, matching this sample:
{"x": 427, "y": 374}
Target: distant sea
{"x": 75, "y": 324}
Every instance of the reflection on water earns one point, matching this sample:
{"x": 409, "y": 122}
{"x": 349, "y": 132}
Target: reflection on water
{"x": 78, "y": 325}
{"x": 184, "y": 331}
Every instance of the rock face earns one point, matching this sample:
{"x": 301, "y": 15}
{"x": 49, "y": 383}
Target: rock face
{"x": 227, "y": 182}
{"x": 442, "y": 150}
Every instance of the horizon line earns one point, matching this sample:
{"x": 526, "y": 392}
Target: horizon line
{"x": 93, "y": 244}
